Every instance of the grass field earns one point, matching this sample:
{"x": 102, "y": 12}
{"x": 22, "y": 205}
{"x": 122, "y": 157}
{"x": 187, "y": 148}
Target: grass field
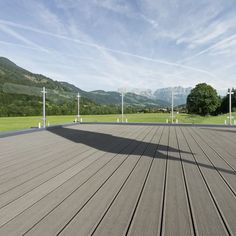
{"x": 18, "y": 123}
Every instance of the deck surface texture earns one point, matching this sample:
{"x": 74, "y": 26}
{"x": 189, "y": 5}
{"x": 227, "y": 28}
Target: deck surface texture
{"x": 119, "y": 180}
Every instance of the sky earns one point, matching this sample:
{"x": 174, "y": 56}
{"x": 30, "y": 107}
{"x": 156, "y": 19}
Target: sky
{"x": 111, "y": 44}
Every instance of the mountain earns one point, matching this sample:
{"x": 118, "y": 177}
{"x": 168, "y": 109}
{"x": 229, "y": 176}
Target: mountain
{"x": 180, "y": 94}
{"x": 19, "y": 87}
{"x": 143, "y": 92}
{"x": 164, "y": 94}
{"x": 11, "y": 73}
{"x": 20, "y": 94}
{"x": 112, "y": 97}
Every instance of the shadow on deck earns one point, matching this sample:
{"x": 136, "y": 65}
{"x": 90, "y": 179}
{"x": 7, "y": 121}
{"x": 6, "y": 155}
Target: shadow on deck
{"x": 98, "y": 141}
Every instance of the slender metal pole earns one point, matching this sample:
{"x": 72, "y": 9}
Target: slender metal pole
{"x": 230, "y": 105}
{"x": 230, "y": 118}
{"x": 172, "y": 106}
{"x": 122, "y": 106}
{"x": 44, "y": 107}
{"x": 78, "y": 115}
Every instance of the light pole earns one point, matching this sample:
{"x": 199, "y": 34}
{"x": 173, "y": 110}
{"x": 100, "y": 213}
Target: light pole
{"x": 44, "y": 107}
{"x": 122, "y": 93}
{"x": 172, "y": 105}
{"x": 122, "y": 106}
{"x": 78, "y": 115}
{"x": 230, "y": 106}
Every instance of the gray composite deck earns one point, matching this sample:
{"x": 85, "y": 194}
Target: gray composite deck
{"x": 119, "y": 180}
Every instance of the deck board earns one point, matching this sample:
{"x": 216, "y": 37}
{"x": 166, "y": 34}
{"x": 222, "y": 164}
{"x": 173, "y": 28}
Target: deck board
{"x": 147, "y": 218}
{"x": 116, "y": 220}
{"x": 204, "y": 210}
{"x": 95, "y": 212}
{"x": 222, "y": 147}
{"x": 119, "y": 180}
{"x": 176, "y": 218}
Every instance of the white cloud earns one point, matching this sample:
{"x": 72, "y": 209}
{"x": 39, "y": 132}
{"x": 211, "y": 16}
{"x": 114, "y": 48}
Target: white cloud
{"x": 152, "y": 22}
{"x": 20, "y": 45}
{"x": 18, "y": 36}
{"x": 140, "y": 43}
{"x": 104, "y": 49}
{"x": 113, "y": 5}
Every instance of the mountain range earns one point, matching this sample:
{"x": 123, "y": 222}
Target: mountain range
{"x": 165, "y": 94}
{"x": 180, "y": 94}
{"x": 14, "y": 79}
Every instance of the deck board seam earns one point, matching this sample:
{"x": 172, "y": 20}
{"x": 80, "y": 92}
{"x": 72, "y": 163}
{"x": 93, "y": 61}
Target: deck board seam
{"x": 97, "y": 225}
{"x": 186, "y": 188}
{"x": 223, "y": 178}
{"x": 142, "y": 189}
{"x": 73, "y": 157}
{"x": 218, "y": 210}
{"x": 80, "y": 185}
{"x": 161, "y": 226}
{"x": 227, "y": 163}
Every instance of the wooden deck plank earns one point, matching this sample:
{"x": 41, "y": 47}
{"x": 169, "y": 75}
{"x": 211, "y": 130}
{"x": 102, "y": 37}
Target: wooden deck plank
{"x": 89, "y": 217}
{"x": 176, "y": 218}
{"x": 36, "y": 162}
{"x": 218, "y": 160}
{"x": 47, "y": 143}
{"x": 68, "y": 208}
{"x": 68, "y": 170}
{"x": 117, "y": 218}
{"x": 119, "y": 180}
{"x": 147, "y": 218}
{"x": 227, "y": 135}
{"x": 57, "y": 164}
{"x": 14, "y": 208}
{"x": 219, "y": 190}
{"x": 47, "y": 154}
{"x": 89, "y": 176}
{"x": 220, "y": 145}
{"x": 41, "y": 141}
{"x": 204, "y": 211}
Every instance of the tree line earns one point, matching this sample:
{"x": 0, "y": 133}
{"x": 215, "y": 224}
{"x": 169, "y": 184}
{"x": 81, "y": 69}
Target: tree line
{"x": 204, "y": 100}
{"x": 25, "y": 105}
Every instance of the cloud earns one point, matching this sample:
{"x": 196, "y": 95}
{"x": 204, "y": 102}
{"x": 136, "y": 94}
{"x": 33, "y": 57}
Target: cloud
{"x": 152, "y": 22}
{"x": 103, "y": 49}
{"x": 226, "y": 44}
{"x": 222, "y": 44}
{"x": 18, "y": 36}
{"x": 20, "y": 45}
{"x": 118, "y": 7}
{"x": 115, "y": 42}
{"x": 211, "y": 33}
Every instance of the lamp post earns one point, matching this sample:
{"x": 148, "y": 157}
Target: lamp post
{"x": 78, "y": 100}
{"x": 172, "y": 106}
{"x": 122, "y": 93}
{"x": 44, "y": 107}
{"x": 122, "y": 106}
{"x": 230, "y": 105}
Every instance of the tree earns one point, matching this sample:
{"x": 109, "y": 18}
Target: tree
{"x": 224, "y": 108}
{"x": 203, "y": 100}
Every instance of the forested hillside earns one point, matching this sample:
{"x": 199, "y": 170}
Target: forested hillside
{"x": 20, "y": 95}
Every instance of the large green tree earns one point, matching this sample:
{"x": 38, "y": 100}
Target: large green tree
{"x": 224, "y": 108}
{"x": 203, "y": 100}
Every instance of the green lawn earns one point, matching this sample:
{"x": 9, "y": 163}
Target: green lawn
{"x": 18, "y": 123}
